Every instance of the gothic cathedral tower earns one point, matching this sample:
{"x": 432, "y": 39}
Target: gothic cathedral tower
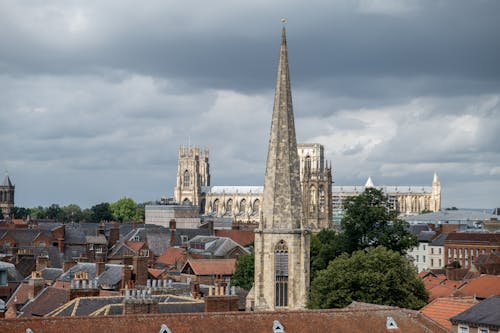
{"x": 436, "y": 194}
{"x": 6, "y": 197}
{"x": 193, "y": 174}
{"x": 282, "y": 239}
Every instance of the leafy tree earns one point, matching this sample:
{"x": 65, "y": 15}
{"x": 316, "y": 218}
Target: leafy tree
{"x": 38, "y": 212}
{"x": 19, "y": 212}
{"x": 377, "y": 275}
{"x": 71, "y": 213}
{"x": 54, "y": 212}
{"x": 325, "y": 246}
{"x": 124, "y": 209}
{"x": 244, "y": 273}
{"x": 369, "y": 221}
{"x": 101, "y": 212}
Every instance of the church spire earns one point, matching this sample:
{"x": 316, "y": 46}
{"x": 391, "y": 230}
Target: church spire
{"x": 282, "y": 200}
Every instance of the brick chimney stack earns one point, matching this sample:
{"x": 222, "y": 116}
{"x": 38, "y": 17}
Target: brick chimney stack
{"x": 172, "y": 232}
{"x": 114, "y": 234}
{"x": 140, "y": 269}
{"x": 42, "y": 261}
{"x": 100, "y": 267}
{"x": 36, "y": 284}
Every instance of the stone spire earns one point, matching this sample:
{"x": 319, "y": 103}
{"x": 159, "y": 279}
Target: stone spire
{"x": 282, "y": 200}
{"x": 7, "y": 182}
{"x": 435, "y": 180}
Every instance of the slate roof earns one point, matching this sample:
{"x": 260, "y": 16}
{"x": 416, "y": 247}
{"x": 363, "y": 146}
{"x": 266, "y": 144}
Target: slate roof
{"x": 113, "y": 305}
{"x": 74, "y": 234}
{"x": 439, "y": 240}
{"x": 158, "y": 242}
{"x": 213, "y": 245}
{"x": 485, "y": 313}
{"x": 426, "y": 236}
{"x": 473, "y": 237}
{"x": 442, "y": 309}
{"x": 447, "y": 216}
{"x": 7, "y": 182}
{"x": 373, "y": 320}
{"x": 51, "y": 273}
{"x": 46, "y": 301}
{"x": 110, "y": 277}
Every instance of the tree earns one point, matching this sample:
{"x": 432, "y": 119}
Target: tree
{"x": 377, "y": 275}
{"x": 19, "y": 212}
{"x": 38, "y": 212}
{"x": 71, "y": 213}
{"x": 325, "y": 246}
{"x": 54, "y": 212}
{"x": 369, "y": 221}
{"x": 244, "y": 272}
{"x": 101, "y": 212}
{"x": 124, "y": 209}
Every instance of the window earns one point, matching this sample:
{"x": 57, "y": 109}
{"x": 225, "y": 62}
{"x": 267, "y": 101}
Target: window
{"x": 463, "y": 329}
{"x": 229, "y": 206}
{"x": 432, "y": 250}
{"x": 184, "y": 239}
{"x": 281, "y": 274}
{"x": 483, "y": 330}
{"x": 321, "y": 199}
{"x": 423, "y": 259}
{"x": 416, "y": 258}
{"x": 187, "y": 179}
{"x": 424, "y": 247}
{"x": 440, "y": 264}
{"x": 308, "y": 164}
{"x": 432, "y": 262}
{"x": 98, "y": 249}
{"x": 439, "y": 250}
{"x": 215, "y": 207}
{"x": 256, "y": 207}
{"x": 243, "y": 206}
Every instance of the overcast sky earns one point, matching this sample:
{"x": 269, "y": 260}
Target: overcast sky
{"x": 97, "y": 96}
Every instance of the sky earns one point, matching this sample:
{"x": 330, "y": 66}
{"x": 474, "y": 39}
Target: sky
{"x": 97, "y": 96}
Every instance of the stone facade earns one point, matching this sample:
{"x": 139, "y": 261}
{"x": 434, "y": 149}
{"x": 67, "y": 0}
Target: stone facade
{"x": 193, "y": 173}
{"x": 405, "y": 199}
{"x": 7, "y": 190}
{"x": 282, "y": 240}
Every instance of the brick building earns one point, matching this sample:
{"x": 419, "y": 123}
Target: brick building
{"x": 466, "y": 247}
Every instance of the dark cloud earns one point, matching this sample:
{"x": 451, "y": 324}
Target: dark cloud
{"x": 97, "y": 97}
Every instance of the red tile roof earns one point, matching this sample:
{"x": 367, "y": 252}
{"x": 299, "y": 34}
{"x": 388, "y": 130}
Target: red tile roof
{"x": 18, "y": 221}
{"x": 473, "y": 237}
{"x": 135, "y": 246}
{"x": 172, "y": 255}
{"x": 373, "y": 320}
{"x": 432, "y": 281}
{"x": 442, "y": 309}
{"x": 20, "y": 295}
{"x": 155, "y": 272}
{"x": 212, "y": 266}
{"x": 483, "y": 286}
{"x": 242, "y": 237}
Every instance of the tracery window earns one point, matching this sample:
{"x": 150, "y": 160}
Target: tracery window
{"x": 243, "y": 206}
{"x": 229, "y": 206}
{"x": 321, "y": 199}
{"x": 281, "y": 274}
{"x": 187, "y": 179}
{"x": 215, "y": 207}
{"x": 256, "y": 207}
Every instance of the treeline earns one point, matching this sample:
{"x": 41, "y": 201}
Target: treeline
{"x": 123, "y": 210}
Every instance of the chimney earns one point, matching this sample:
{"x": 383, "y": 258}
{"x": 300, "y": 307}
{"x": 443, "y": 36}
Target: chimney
{"x": 36, "y": 284}
{"x": 100, "y": 267}
{"x": 139, "y": 302}
{"x": 42, "y": 261}
{"x": 114, "y": 234}
{"x": 140, "y": 268}
{"x": 67, "y": 265}
{"x": 126, "y": 276}
{"x": 172, "y": 232}
{"x": 221, "y": 300}
{"x": 101, "y": 229}
{"x": 211, "y": 227}
{"x": 60, "y": 244}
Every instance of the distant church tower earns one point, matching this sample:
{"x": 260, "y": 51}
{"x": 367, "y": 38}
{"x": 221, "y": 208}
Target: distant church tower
{"x": 6, "y": 197}
{"x": 316, "y": 184}
{"x": 435, "y": 201}
{"x": 282, "y": 239}
{"x": 193, "y": 173}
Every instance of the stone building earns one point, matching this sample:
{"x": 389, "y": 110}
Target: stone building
{"x": 282, "y": 240}
{"x": 7, "y": 190}
{"x": 193, "y": 173}
{"x": 405, "y": 199}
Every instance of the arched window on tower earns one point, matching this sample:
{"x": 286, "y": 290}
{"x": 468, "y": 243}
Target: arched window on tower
{"x": 307, "y": 165}
{"x": 187, "y": 179}
{"x": 186, "y": 202}
{"x": 312, "y": 199}
{"x": 281, "y": 274}
{"x": 321, "y": 199}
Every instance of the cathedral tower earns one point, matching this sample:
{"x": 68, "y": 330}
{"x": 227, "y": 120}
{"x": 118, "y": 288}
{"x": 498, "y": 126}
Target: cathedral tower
{"x": 6, "y": 197}
{"x": 435, "y": 201}
{"x": 282, "y": 239}
{"x": 193, "y": 173}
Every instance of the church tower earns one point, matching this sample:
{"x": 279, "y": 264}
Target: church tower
{"x": 282, "y": 239}
{"x": 6, "y": 197}
{"x": 193, "y": 173}
{"x": 435, "y": 201}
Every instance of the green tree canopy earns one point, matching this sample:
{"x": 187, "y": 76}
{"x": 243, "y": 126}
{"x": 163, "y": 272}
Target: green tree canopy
{"x": 244, "y": 273}
{"x": 71, "y": 213}
{"x": 325, "y": 246}
{"x": 369, "y": 221}
{"x": 100, "y": 212}
{"x": 377, "y": 275}
{"x": 124, "y": 210}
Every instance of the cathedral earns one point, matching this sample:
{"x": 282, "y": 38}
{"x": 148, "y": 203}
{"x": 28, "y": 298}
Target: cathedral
{"x": 7, "y": 190}
{"x": 243, "y": 203}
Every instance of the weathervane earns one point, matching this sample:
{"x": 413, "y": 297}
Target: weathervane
{"x": 284, "y": 21}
